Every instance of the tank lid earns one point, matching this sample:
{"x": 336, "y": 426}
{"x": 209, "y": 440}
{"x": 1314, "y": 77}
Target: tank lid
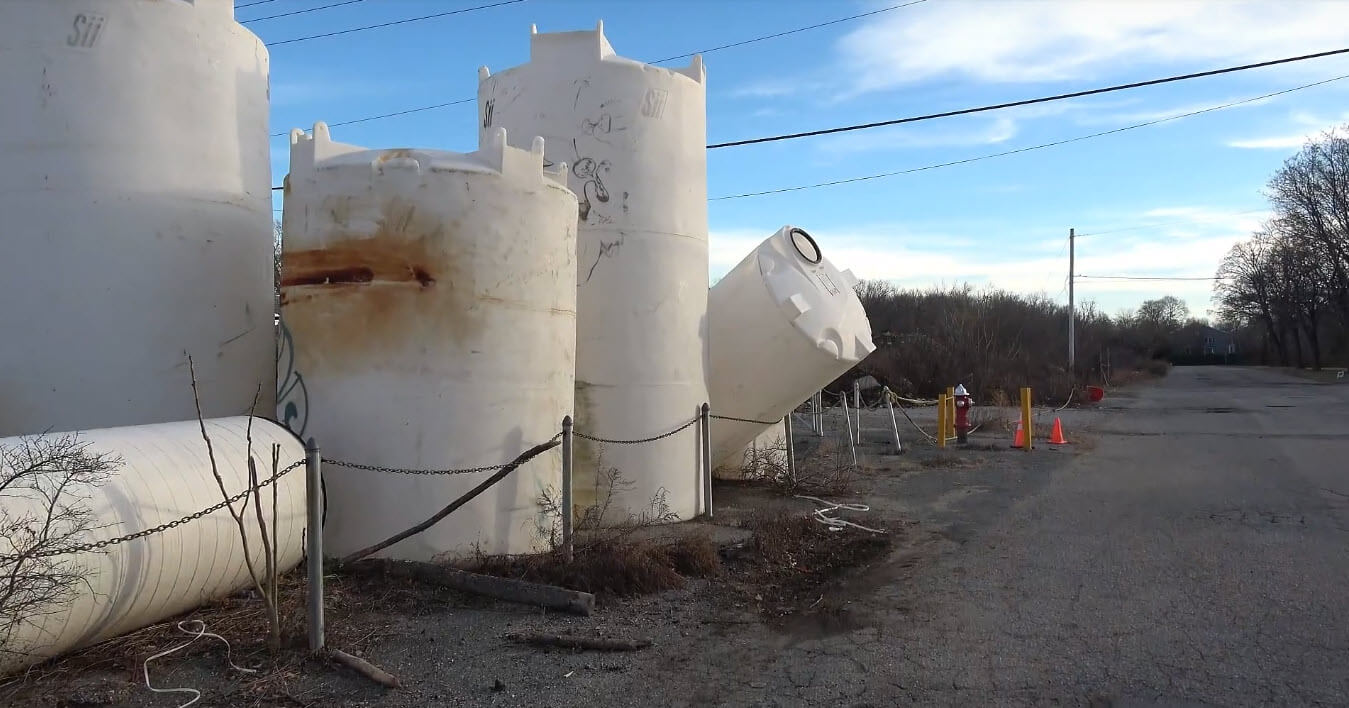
{"x": 560, "y": 48}
{"x": 815, "y": 295}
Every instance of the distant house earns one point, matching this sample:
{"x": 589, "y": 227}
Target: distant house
{"x": 1201, "y": 341}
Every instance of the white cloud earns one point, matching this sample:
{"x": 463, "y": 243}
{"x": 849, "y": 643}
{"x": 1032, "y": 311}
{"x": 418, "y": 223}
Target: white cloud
{"x": 1292, "y": 140}
{"x": 1014, "y": 41}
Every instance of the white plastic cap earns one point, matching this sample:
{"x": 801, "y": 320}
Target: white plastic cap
{"x": 960, "y": 390}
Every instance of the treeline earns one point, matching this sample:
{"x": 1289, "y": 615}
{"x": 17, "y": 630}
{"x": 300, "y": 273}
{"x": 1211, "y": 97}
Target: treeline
{"x": 1285, "y": 291}
{"x": 995, "y": 342}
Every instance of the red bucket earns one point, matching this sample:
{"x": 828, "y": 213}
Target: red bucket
{"x": 1095, "y": 394}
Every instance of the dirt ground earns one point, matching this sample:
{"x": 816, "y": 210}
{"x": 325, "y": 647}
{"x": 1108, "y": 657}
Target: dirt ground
{"x": 785, "y": 581}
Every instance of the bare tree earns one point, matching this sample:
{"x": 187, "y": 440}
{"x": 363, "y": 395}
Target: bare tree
{"x": 46, "y": 484}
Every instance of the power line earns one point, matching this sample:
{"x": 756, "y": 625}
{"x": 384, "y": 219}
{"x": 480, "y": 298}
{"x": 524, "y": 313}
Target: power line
{"x": 1024, "y": 149}
{"x": 658, "y": 61}
{"x": 788, "y": 32}
{"x": 386, "y": 115}
{"x": 1029, "y": 101}
{"x": 1142, "y": 277}
{"x": 251, "y": 4}
{"x": 299, "y": 12}
{"x": 394, "y": 22}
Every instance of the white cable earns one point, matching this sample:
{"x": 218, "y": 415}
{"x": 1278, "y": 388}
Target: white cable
{"x": 834, "y": 523}
{"x": 198, "y": 634}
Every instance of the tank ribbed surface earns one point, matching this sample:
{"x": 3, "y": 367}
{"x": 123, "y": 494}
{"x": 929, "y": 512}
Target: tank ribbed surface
{"x": 164, "y": 475}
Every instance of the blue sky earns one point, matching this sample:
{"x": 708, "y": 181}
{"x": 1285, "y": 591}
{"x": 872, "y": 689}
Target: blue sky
{"x": 1173, "y": 196}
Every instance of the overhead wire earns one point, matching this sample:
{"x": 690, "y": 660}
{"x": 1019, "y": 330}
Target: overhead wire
{"x": 251, "y": 4}
{"x": 788, "y": 32}
{"x": 392, "y": 23}
{"x": 1028, "y": 101}
{"x": 300, "y": 12}
{"x": 1030, "y": 148}
{"x": 709, "y": 50}
{"x": 1146, "y": 277}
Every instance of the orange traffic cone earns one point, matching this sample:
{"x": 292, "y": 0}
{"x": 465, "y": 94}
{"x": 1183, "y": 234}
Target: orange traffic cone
{"x": 1020, "y": 440}
{"x": 1056, "y": 435}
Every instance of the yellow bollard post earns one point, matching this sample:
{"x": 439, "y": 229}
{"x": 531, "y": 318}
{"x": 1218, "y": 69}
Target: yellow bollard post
{"x": 950, "y": 412}
{"x": 941, "y": 420}
{"x": 1026, "y": 417}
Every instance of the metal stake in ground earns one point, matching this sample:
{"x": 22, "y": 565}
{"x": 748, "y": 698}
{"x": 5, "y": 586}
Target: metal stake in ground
{"x": 894, "y": 425}
{"x": 567, "y": 520}
{"x": 314, "y": 541}
{"x": 704, "y": 414}
{"x": 791, "y": 448}
{"x": 847, "y": 422}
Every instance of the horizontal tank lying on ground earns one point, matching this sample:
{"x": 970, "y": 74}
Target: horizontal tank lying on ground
{"x": 163, "y": 473}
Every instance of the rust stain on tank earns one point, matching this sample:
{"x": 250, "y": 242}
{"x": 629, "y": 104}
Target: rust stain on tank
{"x": 400, "y": 288}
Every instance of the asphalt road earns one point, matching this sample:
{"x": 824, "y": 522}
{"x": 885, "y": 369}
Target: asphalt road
{"x": 1198, "y": 555}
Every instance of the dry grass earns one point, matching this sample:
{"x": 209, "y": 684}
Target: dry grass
{"x": 617, "y": 567}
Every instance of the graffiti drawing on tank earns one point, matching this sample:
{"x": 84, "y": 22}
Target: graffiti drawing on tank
{"x": 588, "y": 170}
{"x": 292, "y": 396}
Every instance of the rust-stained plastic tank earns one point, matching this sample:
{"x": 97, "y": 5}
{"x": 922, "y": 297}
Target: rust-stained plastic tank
{"x": 429, "y": 322}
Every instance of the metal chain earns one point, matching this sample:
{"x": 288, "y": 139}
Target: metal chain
{"x": 653, "y": 438}
{"x": 409, "y": 470}
{"x": 99, "y": 545}
{"x": 744, "y": 420}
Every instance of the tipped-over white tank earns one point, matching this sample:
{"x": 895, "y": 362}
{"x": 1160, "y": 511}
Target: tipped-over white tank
{"x": 163, "y": 474}
{"x": 781, "y": 325}
{"x": 428, "y": 308}
{"x": 634, "y": 136}
{"x": 137, "y": 217}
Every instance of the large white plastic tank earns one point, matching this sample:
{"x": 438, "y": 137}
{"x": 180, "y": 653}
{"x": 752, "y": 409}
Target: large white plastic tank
{"x": 430, "y": 299}
{"x": 634, "y": 136}
{"x": 164, "y": 475}
{"x": 782, "y": 324}
{"x": 137, "y": 217}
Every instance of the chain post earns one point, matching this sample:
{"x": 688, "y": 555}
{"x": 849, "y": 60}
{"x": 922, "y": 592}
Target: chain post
{"x": 791, "y": 447}
{"x": 567, "y": 520}
{"x": 314, "y": 541}
{"x": 704, "y": 414}
{"x": 894, "y": 425}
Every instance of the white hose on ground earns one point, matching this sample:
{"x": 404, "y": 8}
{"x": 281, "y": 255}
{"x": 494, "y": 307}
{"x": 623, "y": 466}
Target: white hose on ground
{"x": 198, "y": 634}
{"x": 834, "y": 523}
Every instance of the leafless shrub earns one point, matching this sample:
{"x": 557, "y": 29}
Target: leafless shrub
{"x": 48, "y": 483}
{"x": 264, "y": 580}
{"x": 610, "y": 556}
{"x": 826, "y": 470}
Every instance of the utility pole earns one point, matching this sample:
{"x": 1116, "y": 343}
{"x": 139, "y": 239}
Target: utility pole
{"x": 1072, "y": 317}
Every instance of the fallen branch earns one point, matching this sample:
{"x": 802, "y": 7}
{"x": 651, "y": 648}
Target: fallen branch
{"x": 567, "y": 642}
{"x": 551, "y": 596}
{"x": 501, "y": 474}
{"x": 365, "y": 668}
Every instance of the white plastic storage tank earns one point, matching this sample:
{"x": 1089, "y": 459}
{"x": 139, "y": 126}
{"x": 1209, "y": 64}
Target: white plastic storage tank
{"x": 162, "y": 474}
{"x": 429, "y": 317}
{"x": 137, "y": 213}
{"x": 782, "y": 324}
{"x": 634, "y": 136}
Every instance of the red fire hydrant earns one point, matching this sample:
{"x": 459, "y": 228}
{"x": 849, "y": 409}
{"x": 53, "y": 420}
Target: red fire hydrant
{"x": 963, "y": 404}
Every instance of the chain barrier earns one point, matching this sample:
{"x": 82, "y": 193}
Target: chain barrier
{"x": 653, "y": 438}
{"x": 99, "y": 545}
{"x": 412, "y": 471}
{"x": 744, "y": 420}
